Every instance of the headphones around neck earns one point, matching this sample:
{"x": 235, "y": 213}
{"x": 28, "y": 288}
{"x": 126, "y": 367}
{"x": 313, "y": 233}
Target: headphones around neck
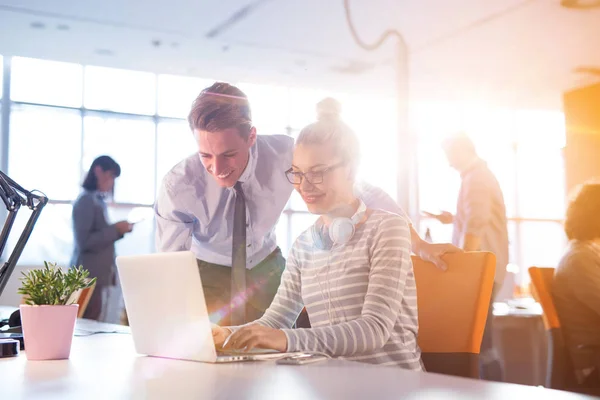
{"x": 339, "y": 231}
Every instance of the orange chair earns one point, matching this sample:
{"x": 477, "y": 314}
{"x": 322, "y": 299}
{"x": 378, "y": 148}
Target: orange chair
{"x": 453, "y": 307}
{"x": 559, "y": 372}
{"x": 84, "y": 299}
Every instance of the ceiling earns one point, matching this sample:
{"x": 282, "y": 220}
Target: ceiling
{"x": 518, "y": 53}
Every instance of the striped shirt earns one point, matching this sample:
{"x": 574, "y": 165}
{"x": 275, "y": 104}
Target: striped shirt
{"x": 361, "y": 298}
{"x": 481, "y": 212}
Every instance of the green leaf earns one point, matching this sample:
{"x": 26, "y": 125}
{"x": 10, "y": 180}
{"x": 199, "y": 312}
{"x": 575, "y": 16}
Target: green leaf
{"x": 51, "y": 285}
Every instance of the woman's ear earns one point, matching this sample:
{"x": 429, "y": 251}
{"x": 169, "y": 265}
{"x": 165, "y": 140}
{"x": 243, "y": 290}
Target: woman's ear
{"x": 352, "y": 173}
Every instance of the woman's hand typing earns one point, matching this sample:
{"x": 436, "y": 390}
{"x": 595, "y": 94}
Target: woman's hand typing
{"x": 220, "y": 335}
{"x": 257, "y": 336}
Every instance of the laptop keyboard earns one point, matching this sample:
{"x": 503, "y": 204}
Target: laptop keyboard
{"x": 245, "y": 353}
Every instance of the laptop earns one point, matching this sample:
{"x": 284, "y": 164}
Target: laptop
{"x": 167, "y": 312}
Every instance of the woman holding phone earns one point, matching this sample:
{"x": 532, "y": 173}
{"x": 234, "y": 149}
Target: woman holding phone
{"x": 95, "y": 237}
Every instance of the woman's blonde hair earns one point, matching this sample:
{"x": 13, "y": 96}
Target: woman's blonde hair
{"x": 330, "y": 129}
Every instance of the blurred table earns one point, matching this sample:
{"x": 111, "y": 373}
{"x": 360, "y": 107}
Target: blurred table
{"x": 106, "y": 366}
{"x": 520, "y": 339}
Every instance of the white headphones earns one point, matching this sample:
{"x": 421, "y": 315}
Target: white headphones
{"x": 340, "y": 231}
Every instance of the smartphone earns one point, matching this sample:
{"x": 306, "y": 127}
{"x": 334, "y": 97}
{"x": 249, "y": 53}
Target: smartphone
{"x": 302, "y": 359}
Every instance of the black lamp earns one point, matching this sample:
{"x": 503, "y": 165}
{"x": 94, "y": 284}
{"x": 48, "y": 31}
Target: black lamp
{"x": 14, "y": 196}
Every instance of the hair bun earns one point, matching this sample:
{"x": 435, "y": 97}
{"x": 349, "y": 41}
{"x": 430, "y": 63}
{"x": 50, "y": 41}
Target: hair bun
{"x": 329, "y": 109}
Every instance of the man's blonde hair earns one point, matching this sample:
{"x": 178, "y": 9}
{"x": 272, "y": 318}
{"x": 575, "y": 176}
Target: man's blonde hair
{"x": 219, "y": 107}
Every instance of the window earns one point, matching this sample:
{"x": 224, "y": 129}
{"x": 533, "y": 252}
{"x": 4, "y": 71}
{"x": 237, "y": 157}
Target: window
{"x": 541, "y": 184}
{"x": 438, "y": 232}
{"x": 45, "y": 150}
{"x": 438, "y": 183}
{"x": 542, "y": 244}
{"x": 523, "y": 149}
{"x": 174, "y": 143}
{"x": 374, "y": 121}
{"x": 131, "y": 142}
{"x": 46, "y": 82}
{"x": 120, "y": 90}
{"x": 51, "y": 239}
{"x": 176, "y": 94}
{"x": 138, "y": 241}
{"x": 541, "y": 138}
{"x": 303, "y": 106}
{"x": 139, "y": 119}
{"x": 269, "y": 106}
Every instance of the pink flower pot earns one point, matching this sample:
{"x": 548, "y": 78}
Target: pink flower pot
{"x": 48, "y": 330}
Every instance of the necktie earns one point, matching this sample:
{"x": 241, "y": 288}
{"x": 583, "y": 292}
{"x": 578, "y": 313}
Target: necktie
{"x": 238, "y": 259}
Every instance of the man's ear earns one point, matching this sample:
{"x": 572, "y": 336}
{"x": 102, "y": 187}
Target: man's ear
{"x": 252, "y": 136}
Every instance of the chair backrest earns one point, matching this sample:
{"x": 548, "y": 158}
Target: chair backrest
{"x": 559, "y": 370}
{"x": 541, "y": 280}
{"x": 84, "y": 299}
{"x": 453, "y": 307}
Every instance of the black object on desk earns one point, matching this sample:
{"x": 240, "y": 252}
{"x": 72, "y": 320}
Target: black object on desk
{"x": 16, "y": 336}
{"x": 14, "y": 196}
{"x": 9, "y": 347}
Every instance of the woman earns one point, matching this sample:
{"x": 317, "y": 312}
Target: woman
{"x": 576, "y": 286}
{"x": 95, "y": 238}
{"x": 351, "y": 269}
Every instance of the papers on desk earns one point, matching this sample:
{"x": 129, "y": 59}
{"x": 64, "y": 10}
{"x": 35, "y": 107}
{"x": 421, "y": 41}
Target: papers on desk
{"x": 524, "y": 306}
{"x": 87, "y": 327}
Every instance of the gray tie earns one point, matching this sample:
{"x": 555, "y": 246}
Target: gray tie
{"x": 238, "y": 259}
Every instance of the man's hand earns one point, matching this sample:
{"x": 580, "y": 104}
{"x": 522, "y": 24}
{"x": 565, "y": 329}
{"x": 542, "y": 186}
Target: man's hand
{"x": 445, "y": 217}
{"x": 219, "y": 335}
{"x": 257, "y": 336}
{"x": 434, "y": 251}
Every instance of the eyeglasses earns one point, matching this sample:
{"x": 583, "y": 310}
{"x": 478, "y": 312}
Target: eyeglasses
{"x": 316, "y": 177}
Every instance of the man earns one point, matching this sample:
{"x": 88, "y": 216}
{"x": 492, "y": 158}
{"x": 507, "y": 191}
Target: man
{"x": 224, "y": 204}
{"x": 480, "y": 224}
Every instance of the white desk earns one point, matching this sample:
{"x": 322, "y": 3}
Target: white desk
{"x": 106, "y": 366}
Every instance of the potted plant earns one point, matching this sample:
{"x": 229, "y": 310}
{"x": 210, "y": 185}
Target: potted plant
{"x": 50, "y": 310}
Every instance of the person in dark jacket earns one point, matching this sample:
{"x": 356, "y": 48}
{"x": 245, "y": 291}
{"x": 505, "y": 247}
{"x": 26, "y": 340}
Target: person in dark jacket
{"x": 576, "y": 285}
{"x": 95, "y": 237}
